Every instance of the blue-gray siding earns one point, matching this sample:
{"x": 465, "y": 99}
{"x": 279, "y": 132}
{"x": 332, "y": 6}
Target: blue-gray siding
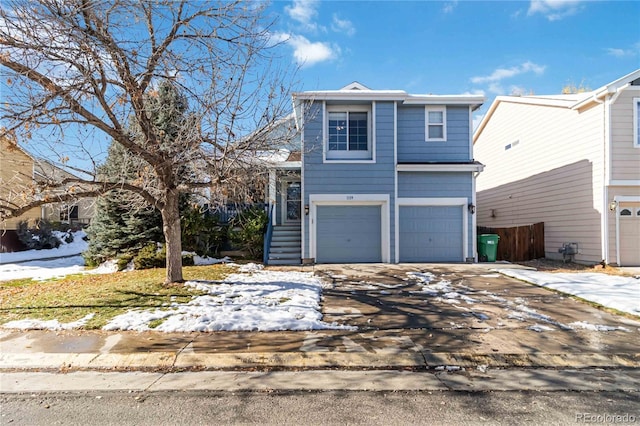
{"x": 378, "y": 177}
{"x": 412, "y": 146}
{"x": 430, "y": 234}
{"x": 349, "y": 178}
{"x": 348, "y": 234}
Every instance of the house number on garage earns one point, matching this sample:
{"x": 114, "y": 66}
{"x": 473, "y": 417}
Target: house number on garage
{"x": 349, "y": 197}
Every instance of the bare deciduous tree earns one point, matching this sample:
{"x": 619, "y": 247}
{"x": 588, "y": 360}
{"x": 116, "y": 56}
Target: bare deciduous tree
{"x": 77, "y": 73}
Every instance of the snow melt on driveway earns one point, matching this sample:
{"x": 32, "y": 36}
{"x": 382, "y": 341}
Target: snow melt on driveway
{"x": 612, "y": 291}
{"x": 253, "y": 301}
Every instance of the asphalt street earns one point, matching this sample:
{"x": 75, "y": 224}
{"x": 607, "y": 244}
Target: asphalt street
{"x": 320, "y": 408}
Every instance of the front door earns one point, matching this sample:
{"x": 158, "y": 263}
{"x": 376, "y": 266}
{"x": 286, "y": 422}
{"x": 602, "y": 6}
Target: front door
{"x": 293, "y": 201}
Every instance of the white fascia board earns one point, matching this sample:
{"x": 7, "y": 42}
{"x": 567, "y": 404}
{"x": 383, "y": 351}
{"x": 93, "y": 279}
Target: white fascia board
{"x": 444, "y": 100}
{"x": 613, "y": 87}
{"x": 353, "y": 95}
{"x": 440, "y": 167}
{"x": 286, "y": 165}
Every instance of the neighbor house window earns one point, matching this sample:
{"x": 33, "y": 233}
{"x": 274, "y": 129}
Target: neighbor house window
{"x": 348, "y": 133}
{"x": 636, "y": 122}
{"x": 68, "y": 213}
{"x": 436, "y": 123}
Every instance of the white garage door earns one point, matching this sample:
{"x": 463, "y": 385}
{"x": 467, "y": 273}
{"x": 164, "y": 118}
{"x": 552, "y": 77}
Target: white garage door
{"x": 431, "y": 234}
{"x": 630, "y": 234}
{"x": 348, "y": 234}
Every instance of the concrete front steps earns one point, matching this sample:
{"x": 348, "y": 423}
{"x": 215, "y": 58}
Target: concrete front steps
{"x": 285, "y": 245}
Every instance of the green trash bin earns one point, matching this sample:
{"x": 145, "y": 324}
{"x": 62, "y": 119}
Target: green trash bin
{"x": 488, "y": 247}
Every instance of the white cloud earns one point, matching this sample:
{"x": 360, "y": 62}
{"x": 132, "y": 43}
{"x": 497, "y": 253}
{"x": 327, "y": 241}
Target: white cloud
{"x": 496, "y": 88}
{"x": 554, "y": 10}
{"x": 342, "y": 26}
{"x": 308, "y": 53}
{"x": 517, "y": 91}
{"x": 503, "y": 73}
{"x": 621, "y": 53}
{"x": 304, "y": 12}
{"x": 449, "y": 6}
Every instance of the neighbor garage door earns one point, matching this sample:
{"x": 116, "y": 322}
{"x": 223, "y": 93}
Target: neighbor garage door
{"x": 630, "y": 234}
{"x": 348, "y": 234}
{"x": 430, "y": 234}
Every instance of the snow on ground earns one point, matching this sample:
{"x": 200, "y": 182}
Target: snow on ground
{"x": 257, "y": 300}
{"x": 30, "y": 324}
{"x": 65, "y": 260}
{"x": 613, "y": 291}
{"x": 77, "y": 246}
{"x": 42, "y": 269}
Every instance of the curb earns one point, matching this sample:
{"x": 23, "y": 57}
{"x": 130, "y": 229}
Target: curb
{"x": 170, "y": 361}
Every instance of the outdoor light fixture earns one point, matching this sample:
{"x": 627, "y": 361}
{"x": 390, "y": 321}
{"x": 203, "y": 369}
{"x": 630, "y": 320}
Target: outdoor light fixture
{"x": 472, "y": 208}
{"x": 306, "y": 209}
{"x": 613, "y": 205}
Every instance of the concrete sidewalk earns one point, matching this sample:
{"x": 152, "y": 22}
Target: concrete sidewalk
{"x": 596, "y": 380}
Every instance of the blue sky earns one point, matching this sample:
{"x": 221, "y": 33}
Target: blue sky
{"x": 453, "y": 47}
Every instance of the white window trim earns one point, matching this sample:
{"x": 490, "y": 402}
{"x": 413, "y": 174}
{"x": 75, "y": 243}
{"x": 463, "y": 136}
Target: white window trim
{"x": 636, "y": 136}
{"x": 343, "y": 156}
{"x": 434, "y": 202}
{"x": 443, "y": 110}
{"x": 381, "y": 200}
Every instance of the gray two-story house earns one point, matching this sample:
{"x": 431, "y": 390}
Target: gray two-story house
{"x": 383, "y": 176}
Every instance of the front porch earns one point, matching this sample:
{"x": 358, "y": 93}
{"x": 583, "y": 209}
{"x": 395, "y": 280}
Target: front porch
{"x": 283, "y": 239}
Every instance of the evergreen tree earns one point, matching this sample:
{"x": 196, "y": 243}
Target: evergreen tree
{"x": 124, "y": 222}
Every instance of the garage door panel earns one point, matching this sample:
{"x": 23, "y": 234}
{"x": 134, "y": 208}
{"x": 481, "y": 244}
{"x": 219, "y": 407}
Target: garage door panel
{"x": 348, "y": 234}
{"x": 630, "y": 235}
{"x": 430, "y": 234}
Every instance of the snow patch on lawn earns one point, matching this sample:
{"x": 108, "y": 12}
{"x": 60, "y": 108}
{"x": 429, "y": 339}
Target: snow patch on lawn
{"x": 31, "y": 324}
{"x": 254, "y": 301}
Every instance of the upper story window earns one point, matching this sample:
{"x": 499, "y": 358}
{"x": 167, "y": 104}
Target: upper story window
{"x": 348, "y": 131}
{"x": 636, "y": 122}
{"x": 436, "y": 123}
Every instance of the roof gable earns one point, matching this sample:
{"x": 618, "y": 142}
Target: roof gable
{"x": 355, "y": 86}
{"x": 571, "y": 101}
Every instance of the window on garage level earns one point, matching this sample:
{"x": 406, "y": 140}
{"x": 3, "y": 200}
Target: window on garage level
{"x": 436, "y": 123}
{"x": 348, "y": 133}
{"x": 625, "y": 212}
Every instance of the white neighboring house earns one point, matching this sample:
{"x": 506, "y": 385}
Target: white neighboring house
{"x": 570, "y": 161}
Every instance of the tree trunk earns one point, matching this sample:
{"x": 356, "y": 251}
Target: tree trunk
{"x": 173, "y": 238}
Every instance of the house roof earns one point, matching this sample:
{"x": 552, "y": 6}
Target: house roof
{"x": 358, "y": 92}
{"x": 10, "y": 144}
{"x": 569, "y": 101}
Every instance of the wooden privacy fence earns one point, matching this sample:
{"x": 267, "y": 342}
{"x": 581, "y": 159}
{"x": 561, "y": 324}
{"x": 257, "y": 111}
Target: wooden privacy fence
{"x": 518, "y": 243}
